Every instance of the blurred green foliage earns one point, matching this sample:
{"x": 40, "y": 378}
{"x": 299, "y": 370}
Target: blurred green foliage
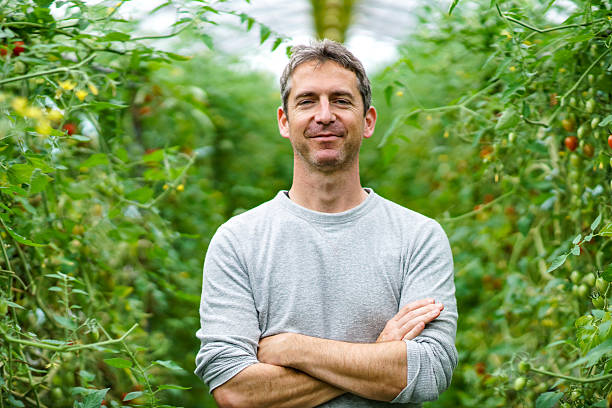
{"x": 119, "y": 161}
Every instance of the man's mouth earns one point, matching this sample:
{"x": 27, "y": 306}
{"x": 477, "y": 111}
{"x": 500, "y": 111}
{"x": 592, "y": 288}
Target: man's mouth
{"x": 325, "y": 136}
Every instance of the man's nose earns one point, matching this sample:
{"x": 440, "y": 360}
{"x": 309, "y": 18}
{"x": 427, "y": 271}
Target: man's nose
{"x": 324, "y": 113}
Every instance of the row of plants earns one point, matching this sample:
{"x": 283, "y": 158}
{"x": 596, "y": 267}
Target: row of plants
{"x": 117, "y": 166}
{"x": 501, "y": 123}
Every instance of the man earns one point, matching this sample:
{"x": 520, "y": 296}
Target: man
{"x": 328, "y": 294}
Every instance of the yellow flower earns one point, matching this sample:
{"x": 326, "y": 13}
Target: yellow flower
{"x": 428, "y": 117}
{"x": 527, "y": 42}
{"x": 43, "y": 127}
{"x": 81, "y": 94}
{"x": 512, "y": 68}
{"x": 33, "y": 112}
{"x": 58, "y": 93}
{"x": 20, "y": 104}
{"x": 180, "y": 187}
{"x": 399, "y": 93}
{"x": 446, "y": 134}
{"x": 55, "y": 115}
{"x": 562, "y": 70}
{"x": 165, "y": 187}
{"x": 92, "y": 88}
{"x": 67, "y": 85}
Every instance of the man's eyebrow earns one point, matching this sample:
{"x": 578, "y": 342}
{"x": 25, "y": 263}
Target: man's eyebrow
{"x": 334, "y": 94}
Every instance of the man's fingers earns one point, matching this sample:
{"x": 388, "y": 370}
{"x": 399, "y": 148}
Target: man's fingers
{"x": 416, "y": 330}
{"x": 434, "y": 309}
{"x": 412, "y": 306}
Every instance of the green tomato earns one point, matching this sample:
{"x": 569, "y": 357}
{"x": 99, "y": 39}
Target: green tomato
{"x": 589, "y": 279}
{"x": 583, "y": 290}
{"x": 590, "y": 105}
{"x": 601, "y": 285}
{"x": 524, "y": 367}
{"x": 594, "y": 122}
{"x": 519, "y": 383}
{"x": 582, "y": 131}
{"x": 575, "y": 276}
{"x": 599, "y": 302}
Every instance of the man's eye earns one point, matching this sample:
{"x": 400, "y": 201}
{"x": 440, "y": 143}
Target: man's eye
{"x": 304, "y": 102}
{"x": 343, "y": 101}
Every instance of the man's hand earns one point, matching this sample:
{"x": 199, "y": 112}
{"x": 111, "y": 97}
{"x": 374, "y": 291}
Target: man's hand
{"x": 272, "y": 349}
{"x": 410, "y": 321}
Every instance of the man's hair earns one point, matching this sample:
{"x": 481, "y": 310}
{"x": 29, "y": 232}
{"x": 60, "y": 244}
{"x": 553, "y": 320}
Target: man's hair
{"x": 323, "y": 51}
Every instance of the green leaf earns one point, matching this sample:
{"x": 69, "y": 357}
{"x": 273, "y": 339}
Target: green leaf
{"x": 576, "y": 250}
{"x": 20, "y": 173}
{"x": 65, "y": 322}
{"x": 133, "y": 395}
{"x": 21, "y": 239}
{"x": 277, "y": 42}
{"x": 557, "y": 262}
{"x": 524, "y": 224}
{"x": 96, "y": 159}
{"x": 94, "y": 399}
{"x": 388, "y": 94}
{"x": 577, "y": 239}
{"x": 452, "y": 7}
{"x": 595, "y": 223}
{"x": 40, "y": 164}
{"x": 594, "y": 355}
{"x": 208, "y": 41}
{"x": 606, "y": 121}
{"x": 38, "y": 182}
{"x": 115, "y": 36}
{"x": 118, "y": 362}
{"x": 264, "y": 33}
{"x": 155, "y": 156}
{"x": 548, "y": 399}
{"x": 607, "y": 274}
{"x": 13, "y": 304}
{"x": 177, "y": 57}
{"x": 169, "y": 364}
{"x": 171, "y": 387}
{"x": 142, "y": 194}
{"x": 508, "y": 119}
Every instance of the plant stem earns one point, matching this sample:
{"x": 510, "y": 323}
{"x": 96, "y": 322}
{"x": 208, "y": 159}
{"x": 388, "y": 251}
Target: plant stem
{"x": 582, "y": 380}
{"x": 48, "y": 72}
{"x": 584, "y": 74}
{"x": 482, "y": 207}
{"x": 68, "y": 349}
{"x": 547, "y": 30}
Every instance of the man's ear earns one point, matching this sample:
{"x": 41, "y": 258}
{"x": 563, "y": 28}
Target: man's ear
{"x": 283, "y": 123}
{"x": 369, "y": 122}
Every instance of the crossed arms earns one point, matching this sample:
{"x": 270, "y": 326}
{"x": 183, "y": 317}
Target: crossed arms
{"x": 301, "y": 371}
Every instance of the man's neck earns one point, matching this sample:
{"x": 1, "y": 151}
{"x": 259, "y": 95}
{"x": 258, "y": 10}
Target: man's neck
{"x": 329, "y": 192}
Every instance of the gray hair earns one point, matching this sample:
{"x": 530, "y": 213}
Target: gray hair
{"x": 322, "y": 51}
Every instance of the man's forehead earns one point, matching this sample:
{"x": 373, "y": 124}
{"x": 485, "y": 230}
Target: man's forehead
{"x": 335, "y": 73}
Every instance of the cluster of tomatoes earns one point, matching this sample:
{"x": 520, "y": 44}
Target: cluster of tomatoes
{"x": 18, "y": 47}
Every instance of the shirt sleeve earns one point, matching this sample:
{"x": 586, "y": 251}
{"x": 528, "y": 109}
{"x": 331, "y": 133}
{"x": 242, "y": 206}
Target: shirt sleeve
{"x": 229, "y": 333}
{"x": 431, "y": 356}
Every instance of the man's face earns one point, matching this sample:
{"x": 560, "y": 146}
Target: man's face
{"x": 325, "y": 121}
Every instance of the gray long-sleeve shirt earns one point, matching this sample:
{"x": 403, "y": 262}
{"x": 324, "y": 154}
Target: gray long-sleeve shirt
{"x": 283, "y": 268}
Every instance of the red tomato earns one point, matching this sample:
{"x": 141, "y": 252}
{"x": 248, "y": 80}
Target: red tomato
{"x": 70, "y": 128}
{"x": 19, "y": 48}
{"x": 610, "y": 141}
{"x": 571, "y": 142}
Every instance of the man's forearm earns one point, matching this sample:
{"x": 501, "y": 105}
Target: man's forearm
{"x": 266, "y": 385}
{"x": 375, "y": 371}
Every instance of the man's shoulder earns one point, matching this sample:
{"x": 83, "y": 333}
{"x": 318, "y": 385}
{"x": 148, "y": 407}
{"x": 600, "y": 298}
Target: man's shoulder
{"x": 249, "y": 219}
{"x": 406, "y": 216}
